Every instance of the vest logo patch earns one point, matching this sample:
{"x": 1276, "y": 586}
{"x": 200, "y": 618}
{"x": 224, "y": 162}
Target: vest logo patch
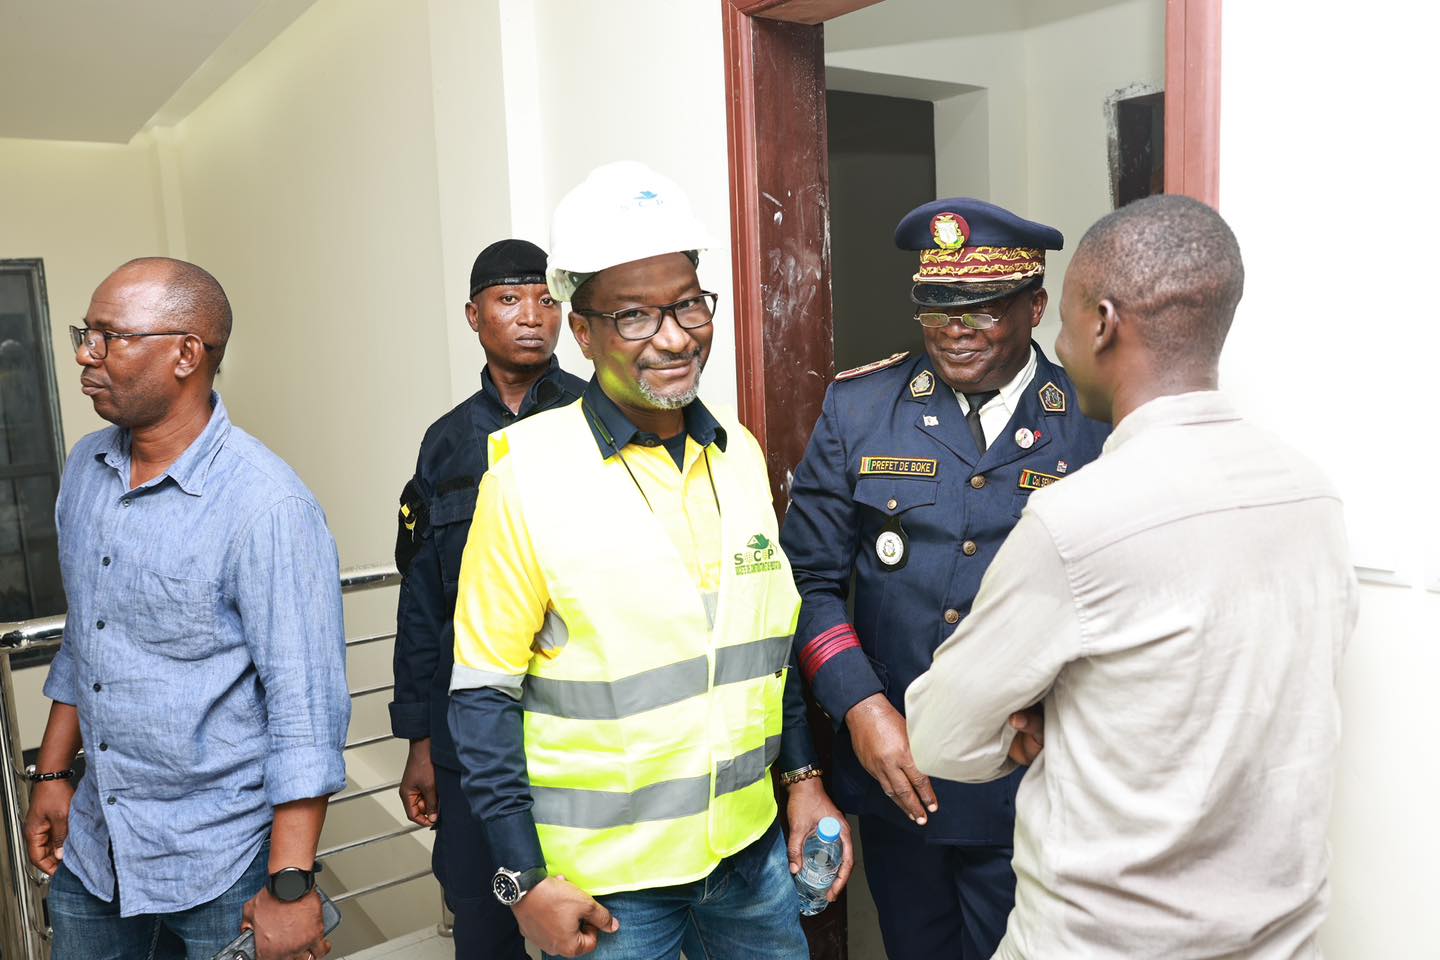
{"x": 897, "y": 467}
{"x": 757, "y": 557}
{"x": 1035, "y": 480}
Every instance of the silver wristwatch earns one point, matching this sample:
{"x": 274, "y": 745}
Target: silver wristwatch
{"x": 510, "y": 885}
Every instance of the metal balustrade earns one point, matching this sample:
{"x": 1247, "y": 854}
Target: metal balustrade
{"x": 24, "y": 932}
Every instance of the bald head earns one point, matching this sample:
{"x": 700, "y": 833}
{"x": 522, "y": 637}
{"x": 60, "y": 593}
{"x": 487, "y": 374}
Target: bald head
{"x": 1172, "y": 266}
{"x": 191, "y": 299}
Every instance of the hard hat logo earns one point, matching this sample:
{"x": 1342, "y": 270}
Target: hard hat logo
{"x": 620, "y": 213}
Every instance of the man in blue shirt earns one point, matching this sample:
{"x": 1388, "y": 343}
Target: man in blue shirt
{"x": 518, "y": 323}
{"x": 203, "y": 662}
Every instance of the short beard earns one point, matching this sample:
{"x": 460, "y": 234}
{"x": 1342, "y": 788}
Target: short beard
{"x": 675, "y": 401}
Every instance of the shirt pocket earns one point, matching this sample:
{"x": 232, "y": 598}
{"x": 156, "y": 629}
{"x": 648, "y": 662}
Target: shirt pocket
{"x": 173, "y": 616}
{"x": 895, "y": 495}
{"x": 450, "y": 516}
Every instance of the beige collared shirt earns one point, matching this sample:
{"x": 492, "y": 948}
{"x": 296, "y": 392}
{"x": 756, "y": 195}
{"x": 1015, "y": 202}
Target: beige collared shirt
{"x": 995, "y": 415}
{"x": 1181, "y": 606}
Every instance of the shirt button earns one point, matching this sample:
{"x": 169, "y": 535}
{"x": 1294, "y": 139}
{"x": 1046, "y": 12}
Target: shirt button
{"x": 96, "y": 688}
{"x": 952, "y": 616}
{"x": 978, "y": 482}
{"x": 99, "y": 624}
{"x": 110, "y": 800}
{"x": 891, "y": 504}
{"x": 104, "y": 747}
{"x": 125, "y": 502}
{"x": 104, "y": 561}
{"x": 969, "y": 548}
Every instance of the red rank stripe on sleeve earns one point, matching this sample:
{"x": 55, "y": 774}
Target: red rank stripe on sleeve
{"x": 818, "y": 651}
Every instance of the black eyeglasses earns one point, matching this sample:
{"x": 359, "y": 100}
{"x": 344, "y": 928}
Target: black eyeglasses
{"x": 642, "y": 323}
{"x": 97, "y": 342}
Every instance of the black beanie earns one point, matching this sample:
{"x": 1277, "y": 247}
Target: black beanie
{"x": 508, "y": 262}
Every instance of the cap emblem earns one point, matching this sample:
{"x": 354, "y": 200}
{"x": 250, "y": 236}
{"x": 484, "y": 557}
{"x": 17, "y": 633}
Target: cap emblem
{"x": 949, "y": 230}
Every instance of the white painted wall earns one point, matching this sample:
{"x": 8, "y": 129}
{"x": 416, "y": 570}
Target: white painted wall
{"x": 1329, "y": 187}
{"x": 83, "y": 208}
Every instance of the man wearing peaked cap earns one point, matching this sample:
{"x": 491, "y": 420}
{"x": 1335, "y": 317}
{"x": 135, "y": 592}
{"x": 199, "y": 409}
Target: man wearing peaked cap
{"x": 916, "y": 471}
{"x": 518, "y": 323}
{"x": 622, "y": 683}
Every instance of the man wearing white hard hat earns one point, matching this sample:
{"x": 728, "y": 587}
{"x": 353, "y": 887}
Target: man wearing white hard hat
{"x": 622, "y": 635}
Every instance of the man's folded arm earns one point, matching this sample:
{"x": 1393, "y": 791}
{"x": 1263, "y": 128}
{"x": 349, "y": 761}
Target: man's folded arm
{"x": 1004, "y": 657}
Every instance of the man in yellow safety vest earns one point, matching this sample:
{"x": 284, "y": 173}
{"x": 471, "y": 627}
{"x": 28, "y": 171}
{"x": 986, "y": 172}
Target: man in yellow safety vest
{"x": 623, "y": 626}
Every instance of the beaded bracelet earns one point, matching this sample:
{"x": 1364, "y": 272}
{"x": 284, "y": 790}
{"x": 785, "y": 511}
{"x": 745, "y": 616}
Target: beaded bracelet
{"x": 807, "y": 772}
{"x": 37, "y": 777}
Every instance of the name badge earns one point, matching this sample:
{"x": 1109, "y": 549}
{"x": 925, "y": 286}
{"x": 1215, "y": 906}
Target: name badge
{"x": 897, "y": 467}
{"x": 1035, "y": 480}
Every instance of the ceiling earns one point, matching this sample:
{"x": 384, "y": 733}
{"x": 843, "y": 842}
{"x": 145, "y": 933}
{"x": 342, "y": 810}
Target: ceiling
{"x": 101, "y": 70}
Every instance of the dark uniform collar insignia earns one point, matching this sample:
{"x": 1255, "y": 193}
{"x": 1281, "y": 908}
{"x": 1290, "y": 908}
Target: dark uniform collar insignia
{"x": 1052, "y": 398}
{"x": 923, "y": 384}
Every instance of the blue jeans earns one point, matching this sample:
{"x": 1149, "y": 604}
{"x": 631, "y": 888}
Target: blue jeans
{"x": 88, "y": 928}
{"x": 722, "y": 917}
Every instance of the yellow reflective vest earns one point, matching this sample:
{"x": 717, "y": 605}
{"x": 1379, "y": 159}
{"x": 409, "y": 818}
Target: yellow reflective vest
{"x": 653, "y": 718}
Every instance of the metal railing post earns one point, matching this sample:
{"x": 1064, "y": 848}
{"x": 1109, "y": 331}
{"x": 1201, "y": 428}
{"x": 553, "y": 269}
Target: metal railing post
{"x": 22, "y": 928}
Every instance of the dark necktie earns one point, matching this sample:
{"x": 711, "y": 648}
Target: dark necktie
{"x": 972, "y": 419}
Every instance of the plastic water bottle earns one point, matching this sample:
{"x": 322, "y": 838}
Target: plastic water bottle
{"x": 820, "y": 864}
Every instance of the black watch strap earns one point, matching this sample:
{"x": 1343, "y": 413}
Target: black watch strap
{"x": 292, "y": 883}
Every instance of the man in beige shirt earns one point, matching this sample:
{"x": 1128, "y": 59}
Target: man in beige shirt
{"x": 1166, "y": 627}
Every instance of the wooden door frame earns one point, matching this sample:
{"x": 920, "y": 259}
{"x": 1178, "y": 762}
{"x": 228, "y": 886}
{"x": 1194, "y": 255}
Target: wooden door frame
{"x": 780, "y": 204}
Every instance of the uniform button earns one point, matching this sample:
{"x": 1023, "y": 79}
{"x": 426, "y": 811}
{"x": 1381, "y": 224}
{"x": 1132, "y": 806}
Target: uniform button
{"x": 978, "y": 482}
{"x": 96, "y": 688}
{"x": 104, "y": 561}
{"x": 952, "y": 616}
{"x": 110, "y": 800}
{"x": 99, "y": 624}
{"x": 891, "y": 504}
{"x": 969, "y": 548}
{"x": 104, "y": 747}
{"x": 125, "y": 502}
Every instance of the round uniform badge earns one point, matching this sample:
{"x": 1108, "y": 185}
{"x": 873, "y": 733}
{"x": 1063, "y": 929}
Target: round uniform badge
{"x": 1025, "y": 438}
{"x": 890, "y": 548}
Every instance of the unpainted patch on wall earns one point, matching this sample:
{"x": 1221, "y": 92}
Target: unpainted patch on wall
{"x": 1135, "y": 126}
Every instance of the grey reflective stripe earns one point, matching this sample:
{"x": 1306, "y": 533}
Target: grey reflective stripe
{"x": 613, "y": 700}
{"x": 712, "y": 604}
{"x": 746, "y": 661}
{"x": 739, "y": 772}
{"x": 468, "y": 678}
{"x": 602, "y": 809}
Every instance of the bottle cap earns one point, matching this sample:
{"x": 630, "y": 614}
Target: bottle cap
{"x": 828, "y": 830}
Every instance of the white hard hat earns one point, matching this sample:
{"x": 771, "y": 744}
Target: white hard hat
{"x": 620, "y": 213}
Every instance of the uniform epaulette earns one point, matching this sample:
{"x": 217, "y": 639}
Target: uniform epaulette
{"x": 868, "y": 368}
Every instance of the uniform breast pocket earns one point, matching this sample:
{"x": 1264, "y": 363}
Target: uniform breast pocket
{"x": 450, "y": 516}
{"x": 895, "y": 495}
{"x": 175, "y": 616}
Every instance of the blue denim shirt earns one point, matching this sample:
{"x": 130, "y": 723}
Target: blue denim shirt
{"x": 204, "y": 650}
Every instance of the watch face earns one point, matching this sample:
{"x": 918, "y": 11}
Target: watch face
{"x": 290, "y": 885}
{"x": 507, "y": 888}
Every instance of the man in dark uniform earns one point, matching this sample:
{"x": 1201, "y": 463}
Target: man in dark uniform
{"x": 916, "y": 471}
{"x": 518, "y": 323}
